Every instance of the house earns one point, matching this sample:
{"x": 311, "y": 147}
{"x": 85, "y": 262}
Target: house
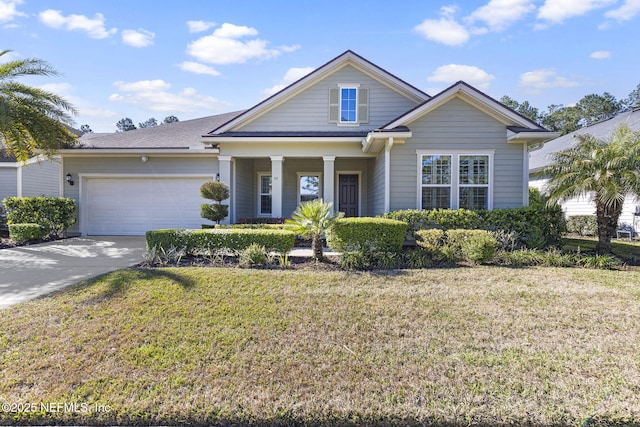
{"x": 585, "y": 205}
{"x": 35, "y": 177}
{"x": 349, "y": 132}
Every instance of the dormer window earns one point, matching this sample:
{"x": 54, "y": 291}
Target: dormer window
{"x": 348, "y": 104}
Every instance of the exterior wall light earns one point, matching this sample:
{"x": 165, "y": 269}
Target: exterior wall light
{"x": 218, "y": 176}
{"x": 69, "y": 178}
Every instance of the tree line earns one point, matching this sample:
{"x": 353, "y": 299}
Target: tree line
{"x": 589, "y": 110}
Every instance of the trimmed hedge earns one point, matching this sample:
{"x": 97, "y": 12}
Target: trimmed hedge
{"x": 22, "y": 233}
{"x": 249, "y": 226}
{"x": 260, "y": 220}
{"x": 54, "y": 214}
{"x": 205, "y": 241}
{"x": 373, "y": 234}
{"x": 530, "y": 223}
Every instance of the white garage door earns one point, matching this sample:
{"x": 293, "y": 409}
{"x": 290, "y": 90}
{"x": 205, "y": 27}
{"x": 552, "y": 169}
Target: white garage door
{"x": 131, "y": 206}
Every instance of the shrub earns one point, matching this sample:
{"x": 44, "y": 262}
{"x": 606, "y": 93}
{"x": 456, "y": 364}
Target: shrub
{"x": 355, "y": 260}
{"x": 431, "y": 239}
{"x": 479, "y": 247}
{"x": 584, "y": 225}
{"x": 521, "y": 221}
{"x": 210, "y": 240}
{"x": 372, "y": 234}
{"x": 445, "y": 219}
{"x": 313, "y": 219}
{"x": 252, "y": 255}
{"x": 28, "y": 232}
{"x": 250, "y": 226}
{"x": 216, "y": 191}
{"x": 4, "y": 229}
{"x": 603, "y": 262}
{"x": 387, "y": 260}
{"x": 418, "y": 258}
{"x": 456, "y": 240}
{"x": 260, "y": 220}
{"x": 54, "y": 214}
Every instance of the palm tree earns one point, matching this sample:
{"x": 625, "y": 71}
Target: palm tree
{"x": 311, "y": 220}
{"x": 606, "y": 170}
{"x": 30, "y": 118}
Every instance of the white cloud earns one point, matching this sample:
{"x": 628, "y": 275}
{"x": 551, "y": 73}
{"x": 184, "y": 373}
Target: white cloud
{"x": 600, "y": 54}
{"x": 556, "y": 11}
{"x": 452, "y": 73}
{"x": 198, "y": 68}
{"x": 627, "y": 11}
{"x": 101, "y": 117}
{"x": 292, "y": 75}
{"x": 445, "y": 30}
{"x": 8, "y": 10}
{"x": 153, "y": 95}
{"x": 139, "y": 38}
{"x": 142, "y": 86}
{"x": 199, "y": 26}
{"x": 225, "y": 46}
{"x": 93, "y": 27}
{"x": 537, "y": 81}
{"x": 500, "y": 14}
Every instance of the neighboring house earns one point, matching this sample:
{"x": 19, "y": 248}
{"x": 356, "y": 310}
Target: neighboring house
{"x": 349, "y": 132}
{"x": 36, "y": 177}
{"x": 585, "y": 205}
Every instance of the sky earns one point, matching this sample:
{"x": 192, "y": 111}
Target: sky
{"x": 147, "y": 58}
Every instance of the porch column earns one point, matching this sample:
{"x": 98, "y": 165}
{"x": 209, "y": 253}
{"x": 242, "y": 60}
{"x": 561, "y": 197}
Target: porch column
{"x": 387, "y": 175}
{"x": 329, "y": 180}
{"x": 276, "y": 186}
{"x": 224, "y": 168}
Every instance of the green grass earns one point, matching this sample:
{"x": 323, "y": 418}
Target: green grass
{"x": 465, "y": 346}
{"x": 622, "y": 248}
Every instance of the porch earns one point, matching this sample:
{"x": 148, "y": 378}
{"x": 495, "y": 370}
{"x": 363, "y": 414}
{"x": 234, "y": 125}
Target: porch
{"x": 272, "y": 187}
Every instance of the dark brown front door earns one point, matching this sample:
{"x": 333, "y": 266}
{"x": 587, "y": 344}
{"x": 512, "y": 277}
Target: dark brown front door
{"x": 348, "y": 194}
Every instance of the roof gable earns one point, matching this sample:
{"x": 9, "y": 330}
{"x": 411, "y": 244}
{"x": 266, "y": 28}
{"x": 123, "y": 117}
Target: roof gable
{"x": 473, "y": 96}
{"x": 348, "y": 58}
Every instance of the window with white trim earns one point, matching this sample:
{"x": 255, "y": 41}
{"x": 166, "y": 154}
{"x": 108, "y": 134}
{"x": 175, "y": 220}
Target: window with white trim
{"x": 348, "y": 104}
{"x": 264, "y": 195}
{"x": 309, "y": 185}
{"x": 455, "y": 181}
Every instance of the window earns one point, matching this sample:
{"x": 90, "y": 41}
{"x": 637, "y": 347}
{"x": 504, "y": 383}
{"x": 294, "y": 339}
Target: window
{"x": 348, "y": 105}
{"x": 474, "y": 182}
{"x": 308, "y": 187}
{"x": 455, "y": 181}
{"x": 436, "y": 182}
{"x": 264, "y": 197}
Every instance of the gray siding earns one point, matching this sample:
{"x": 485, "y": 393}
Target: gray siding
{"x": 133, "y": 166}
{"x": 457, "y": 125}
{"x": 8, "y": 182}
{"x": 245, "y": 189}
{"x": 41, "y": 179}
{"x": 309, "y": 110}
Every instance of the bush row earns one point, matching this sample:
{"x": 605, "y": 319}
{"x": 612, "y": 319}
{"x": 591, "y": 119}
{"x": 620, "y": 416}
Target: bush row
{"x": 534, "y": 227}
{"x": 371, "y": 234}
{"x": 194, "y": 242}
{"x": 23, "y": 233}
{"x": 53, "y": 214}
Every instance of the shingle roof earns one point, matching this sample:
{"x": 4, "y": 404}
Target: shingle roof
{"x": 294, "y": 134}
{"x": 185, "y": 134}
{"x": 542, "y": 157}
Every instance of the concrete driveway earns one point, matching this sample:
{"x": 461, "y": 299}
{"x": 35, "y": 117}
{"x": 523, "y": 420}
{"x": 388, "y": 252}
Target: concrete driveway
{"x": 30, "y": 271}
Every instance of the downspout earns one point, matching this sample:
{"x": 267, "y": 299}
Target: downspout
{"x": 525, "y": 177}
{"x": 387, "y": 174}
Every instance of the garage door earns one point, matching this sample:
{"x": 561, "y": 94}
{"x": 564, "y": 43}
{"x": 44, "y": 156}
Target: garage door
{"x": 131, "y": 206}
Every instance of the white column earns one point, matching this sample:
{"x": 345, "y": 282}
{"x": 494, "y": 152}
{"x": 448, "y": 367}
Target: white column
{"x": 525, "y": 176}
{"x": 387, "y": 175}
{"x": 224, "y": 167}
{"x": 329, "y": 180}
{"x": 276, "y": 186}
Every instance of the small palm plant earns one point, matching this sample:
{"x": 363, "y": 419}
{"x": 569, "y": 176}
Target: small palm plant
{"x": 311, "y": 220}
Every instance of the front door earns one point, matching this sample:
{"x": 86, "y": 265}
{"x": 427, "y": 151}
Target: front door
{"x": 348, "y": 195}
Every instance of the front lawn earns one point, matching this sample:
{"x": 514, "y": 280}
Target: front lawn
{"x": 627, "y": 251}
{"x": 464, "y": 346}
